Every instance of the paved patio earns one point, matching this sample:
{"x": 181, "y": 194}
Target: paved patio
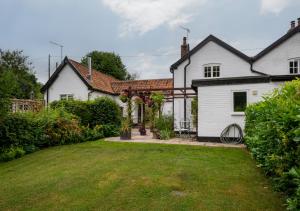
{"x": 137, "y": 138}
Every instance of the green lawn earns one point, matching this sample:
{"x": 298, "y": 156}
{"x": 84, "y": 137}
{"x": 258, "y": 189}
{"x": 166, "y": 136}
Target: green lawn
{"x": 129, "y": 176}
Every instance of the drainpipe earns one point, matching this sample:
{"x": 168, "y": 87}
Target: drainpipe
{"x": 89, "y": 94}
{"x": 185, "y": 68}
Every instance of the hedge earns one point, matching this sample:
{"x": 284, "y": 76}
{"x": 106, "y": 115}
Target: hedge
{"x": 70, "y": 122}
{"x": 273, "y": 138}
{"x": 102, "y": 111}
{"x": 22, "y": 133}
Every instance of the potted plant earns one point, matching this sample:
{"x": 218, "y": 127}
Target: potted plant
{"x": 125, "y": 132}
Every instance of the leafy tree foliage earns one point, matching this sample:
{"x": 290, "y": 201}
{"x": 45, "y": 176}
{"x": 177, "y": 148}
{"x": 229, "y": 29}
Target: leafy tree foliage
{"x": 108, "y": 63}
{"x": 7, "y": 87}
{"x": 20, "y": 81}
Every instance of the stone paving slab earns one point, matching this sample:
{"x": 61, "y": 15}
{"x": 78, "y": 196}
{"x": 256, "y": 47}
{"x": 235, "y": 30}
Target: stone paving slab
{"x": 136, "y": 138}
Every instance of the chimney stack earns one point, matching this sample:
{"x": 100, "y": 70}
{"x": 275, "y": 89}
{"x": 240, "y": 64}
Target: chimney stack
{"x": 184, "y": 47}
{"x": 293, "y": 25}
{"x": 90, "y": 68}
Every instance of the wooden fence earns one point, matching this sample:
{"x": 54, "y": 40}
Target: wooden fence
{"x": 21, "y": 105}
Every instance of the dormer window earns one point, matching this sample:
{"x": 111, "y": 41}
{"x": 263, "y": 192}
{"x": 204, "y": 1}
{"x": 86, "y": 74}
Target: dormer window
{"x": 211, "y": 71}
{"x": 294, "y": 65}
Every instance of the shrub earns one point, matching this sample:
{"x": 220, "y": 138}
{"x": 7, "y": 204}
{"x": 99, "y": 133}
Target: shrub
{"x": 62, "y": 125}
{"x": 58, "y": 127}
{"x": 17, "y": 130}
{"x": 165, "y": 134}
{"x": 47, "y": 128}
{"x": 273, "y": 137}
{"x": 11, "y": 153}
{"x": 164, "y": 122}
{"x": 164, "y": 126}
{"x": 75, "y": 107}
{"x": 93, "y": 134}
{"x": 102, "y": 111}
{"x": 105, "y": 111}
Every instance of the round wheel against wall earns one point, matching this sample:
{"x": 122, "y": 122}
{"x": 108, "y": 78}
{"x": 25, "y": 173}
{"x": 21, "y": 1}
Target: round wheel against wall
{"x": 232, "y": 134}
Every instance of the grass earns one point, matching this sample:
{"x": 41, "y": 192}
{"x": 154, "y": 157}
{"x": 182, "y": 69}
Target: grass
{"x": 126, "y": 176}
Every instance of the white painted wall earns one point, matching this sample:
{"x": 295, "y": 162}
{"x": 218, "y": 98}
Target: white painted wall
{"x": 230, "y": 66}
{"x": 276, "y": 62}
{"x": 215, "y": 106}
{"x": 167, "y": 108}
{"x": 68, "y": 82}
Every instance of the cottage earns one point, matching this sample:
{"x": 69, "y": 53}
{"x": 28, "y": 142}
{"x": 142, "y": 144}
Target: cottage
{"x": 226, "y": 80}
{"x": 72, "y": 80}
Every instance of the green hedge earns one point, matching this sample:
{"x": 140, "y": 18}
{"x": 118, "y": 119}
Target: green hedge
{"x": 22, "y": 133}
{"x": 273, "y": 137}
{"x": 102, "y": 111}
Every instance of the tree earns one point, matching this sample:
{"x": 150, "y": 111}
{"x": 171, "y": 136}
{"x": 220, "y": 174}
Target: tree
{"x": 18, "y": 71}
{"x": 7, "y": 86}
{"x": 108, "y": 63}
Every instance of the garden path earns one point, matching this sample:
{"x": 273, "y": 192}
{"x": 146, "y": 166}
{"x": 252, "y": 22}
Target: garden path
{"x": 137, "y": 138}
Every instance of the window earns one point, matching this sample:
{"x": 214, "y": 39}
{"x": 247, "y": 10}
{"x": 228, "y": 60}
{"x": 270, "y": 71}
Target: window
{"x": 211, "y": 71}
{"x": 66, "y": 97}
{"x": 207, "y": 72}
{"x": 216, "y": 71}
{"x": 294, "y": 66}
{"x": 239, "y": 101}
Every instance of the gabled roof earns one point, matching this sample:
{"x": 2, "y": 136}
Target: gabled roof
{"x": 203, "y": 43}
{"x": 105, "y": 83}
{"x": 100, "y": 81}
{"x": 154, "y": 84}
{"x": 278, "y": 42}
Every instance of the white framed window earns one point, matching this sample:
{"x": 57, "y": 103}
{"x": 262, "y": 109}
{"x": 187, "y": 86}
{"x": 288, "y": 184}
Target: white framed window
{"x": 294, "y": 66}
{"x": 66, "y": 97}
{"x": 211, "y": 70}
{"x": 239, "y": 99}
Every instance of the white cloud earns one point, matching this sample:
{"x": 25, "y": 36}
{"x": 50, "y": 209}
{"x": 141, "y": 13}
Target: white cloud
{"x": 144, "y": 15}
{"x": 152, "y": 66}
{"x": 274, "y": 6}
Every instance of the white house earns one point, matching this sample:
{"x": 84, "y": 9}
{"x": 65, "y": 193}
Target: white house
{"x": 223, "y": 79}
{"x": 72, "y": 80}
{"x": 226, "y": 80}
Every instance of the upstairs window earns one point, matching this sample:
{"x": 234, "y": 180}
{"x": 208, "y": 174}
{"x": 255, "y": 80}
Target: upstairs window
{"x": 66, "y": 97}
{"x": 294, "y": 66}
{"x": 211, "y": 71}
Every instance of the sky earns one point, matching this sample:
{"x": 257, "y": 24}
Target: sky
{"x": 147, "y": 34}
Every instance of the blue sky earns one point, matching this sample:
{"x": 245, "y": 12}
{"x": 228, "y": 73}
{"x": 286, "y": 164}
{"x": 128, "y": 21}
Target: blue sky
{"x": 145, "y": 33}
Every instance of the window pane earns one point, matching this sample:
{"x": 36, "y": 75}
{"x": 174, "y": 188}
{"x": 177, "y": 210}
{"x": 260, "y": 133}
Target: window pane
{"x": 216, "y": 71}
{"x": 70, "y": 97}
{"x": 63, "y": 97}
{"x": 239, "y": 101}
{"x": 291, "y": 64}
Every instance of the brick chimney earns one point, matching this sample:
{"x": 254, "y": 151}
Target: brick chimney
{"x": 293, "y": 24}
{"x": 184, "y": 47}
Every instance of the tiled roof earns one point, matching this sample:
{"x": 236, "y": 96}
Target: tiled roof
{"x": 155, "y": 84}
{"x": 106, "y": 83}
{"x": 100, "y": 81}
